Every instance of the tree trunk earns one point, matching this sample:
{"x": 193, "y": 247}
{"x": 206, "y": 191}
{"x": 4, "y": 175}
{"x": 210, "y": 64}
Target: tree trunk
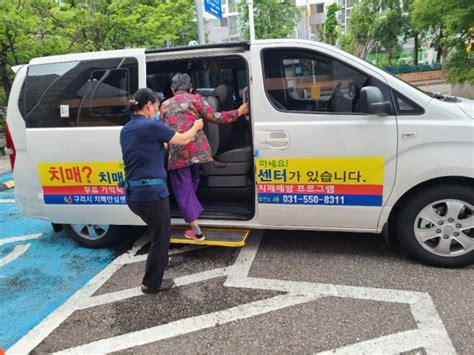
{"x": 7, "y": 86}
{"x": 389, "y": 56}
{"x": 444, "y": 56}
{"x": 4, "y": 74}
{"x": 415, "y": 49}
{"x": 440, "y": 46}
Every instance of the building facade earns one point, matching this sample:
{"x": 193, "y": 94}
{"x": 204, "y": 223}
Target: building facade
{"x": 313, "y": 15}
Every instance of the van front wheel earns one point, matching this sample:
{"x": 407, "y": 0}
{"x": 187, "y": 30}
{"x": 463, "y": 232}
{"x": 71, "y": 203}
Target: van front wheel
{"x": 92, "y": 235}
{"x": 436, "y": 225}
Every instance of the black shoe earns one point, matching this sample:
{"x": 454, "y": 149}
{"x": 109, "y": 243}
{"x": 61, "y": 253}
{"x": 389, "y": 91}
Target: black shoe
{"x": 175, "y": 261}
{"x": 165, "y": 286}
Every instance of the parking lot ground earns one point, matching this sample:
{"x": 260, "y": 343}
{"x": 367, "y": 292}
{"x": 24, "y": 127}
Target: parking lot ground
{"x": 39, "y": 269}
{"x": 285, "y": 291}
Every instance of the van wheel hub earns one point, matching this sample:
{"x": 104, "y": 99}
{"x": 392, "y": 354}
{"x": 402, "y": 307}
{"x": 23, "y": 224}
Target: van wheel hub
{"x": 90, "y": 231}
{"x": 455, "y": 237}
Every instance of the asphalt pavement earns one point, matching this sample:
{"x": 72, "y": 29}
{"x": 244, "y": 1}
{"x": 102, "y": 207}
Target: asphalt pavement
{"x": 298, "y": 292}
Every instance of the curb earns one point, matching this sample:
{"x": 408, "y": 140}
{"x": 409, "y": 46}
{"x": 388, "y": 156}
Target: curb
{"x": 5, "y": 186}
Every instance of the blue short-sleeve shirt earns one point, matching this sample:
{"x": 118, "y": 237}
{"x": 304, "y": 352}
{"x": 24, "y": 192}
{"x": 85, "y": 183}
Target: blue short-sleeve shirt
{"x": 144, "y": 156}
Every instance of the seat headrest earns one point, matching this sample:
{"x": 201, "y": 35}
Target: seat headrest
{"x": 225, "y": 94}
{"x": 214, "y": 102}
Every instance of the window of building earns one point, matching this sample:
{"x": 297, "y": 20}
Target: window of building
{"x": 233, "y": 25}
{"x": 80, "y": 93}
{"x": 300, "y": 80}
{"x": 232, "y": 5}
{"x": 317, "y": 9}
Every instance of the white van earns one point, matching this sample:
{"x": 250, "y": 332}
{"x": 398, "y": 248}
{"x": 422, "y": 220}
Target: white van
{"x": 332, "y": 143}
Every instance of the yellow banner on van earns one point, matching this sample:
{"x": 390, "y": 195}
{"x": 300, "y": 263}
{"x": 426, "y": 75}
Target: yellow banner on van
{"x": 340, "y": 171}
{"x": 81, "y": 173}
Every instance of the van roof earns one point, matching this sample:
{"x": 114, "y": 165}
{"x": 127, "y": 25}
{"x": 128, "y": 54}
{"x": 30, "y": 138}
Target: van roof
{"x": 87, "y": 56}
{"x": 245, "y": 45}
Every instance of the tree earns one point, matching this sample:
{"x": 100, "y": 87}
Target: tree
{"x": 359, "y": 38}
{"x": 428, "y": 16}
{"x": 330, "y": 25}
{"x": 410, "y": 30}
{"x": 388, "y": 29}
{"x": 451, "y": 23}
{"x": 36, "y": 28}
{"x": 273, "y": 18}
{"x": 151, "y": 23}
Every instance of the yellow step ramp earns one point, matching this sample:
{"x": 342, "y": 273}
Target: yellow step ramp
{"x": 222, "y": 237}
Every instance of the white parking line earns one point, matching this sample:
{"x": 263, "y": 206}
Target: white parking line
{"x": 20, "y": 239}
{"x": 188, "y": 325}
{"x": 134, "y": 292}
{"x": 429, "y": 334}
{"x": 184, "y": 249}
{"x": 7, "y": 200}
{"x": 17, "y": 251}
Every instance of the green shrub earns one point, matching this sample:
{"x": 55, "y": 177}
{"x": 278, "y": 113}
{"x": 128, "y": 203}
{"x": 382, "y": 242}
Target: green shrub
{"x": 460, "y": 67}
{"x": 410, "y": 68}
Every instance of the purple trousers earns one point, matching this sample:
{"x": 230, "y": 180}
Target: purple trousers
{"x": 185, "y": 182}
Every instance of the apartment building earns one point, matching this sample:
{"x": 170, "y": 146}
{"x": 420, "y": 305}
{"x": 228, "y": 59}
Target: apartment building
{"x": 313, "y": 14}
{"x": 228, "y": 28}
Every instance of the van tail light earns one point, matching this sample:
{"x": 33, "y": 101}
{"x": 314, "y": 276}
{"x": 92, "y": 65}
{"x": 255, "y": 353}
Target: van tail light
{"x": 10, "y": 148}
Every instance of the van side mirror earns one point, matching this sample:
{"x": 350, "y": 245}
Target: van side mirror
{"x": 373, "y": 102}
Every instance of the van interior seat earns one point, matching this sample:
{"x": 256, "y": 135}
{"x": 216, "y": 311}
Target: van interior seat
{"x": 231, "y": 156}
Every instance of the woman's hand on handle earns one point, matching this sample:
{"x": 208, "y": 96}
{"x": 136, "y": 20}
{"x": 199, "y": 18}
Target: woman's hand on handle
{"x": 243, "y": 109}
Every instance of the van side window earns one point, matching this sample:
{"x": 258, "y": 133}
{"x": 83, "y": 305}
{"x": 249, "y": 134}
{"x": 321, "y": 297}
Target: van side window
{"x": 405, "y": 106}
{"x": 80, "y": 93}
{"x": 305, "y": 81}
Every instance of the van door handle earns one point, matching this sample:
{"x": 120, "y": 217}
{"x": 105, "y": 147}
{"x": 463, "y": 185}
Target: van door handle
{"x": 409, "y": 135}
{"x": 276, "y": 139}
{"x": 270, "y": 140}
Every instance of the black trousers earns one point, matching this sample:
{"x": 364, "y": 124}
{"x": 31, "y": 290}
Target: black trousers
{"x": 156, "y": 214}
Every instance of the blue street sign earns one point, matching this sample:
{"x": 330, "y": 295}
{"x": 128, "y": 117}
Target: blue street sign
{"x": 214, "y": 7}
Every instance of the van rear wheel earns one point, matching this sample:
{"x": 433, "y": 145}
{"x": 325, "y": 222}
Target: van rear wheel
{"x": 92, "y": 235}
{"x": 436, "y": 225}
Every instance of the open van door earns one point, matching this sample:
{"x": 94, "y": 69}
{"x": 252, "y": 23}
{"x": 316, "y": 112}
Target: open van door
{"x": 73, "y": 108}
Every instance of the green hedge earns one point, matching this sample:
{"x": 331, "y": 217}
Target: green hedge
{"x": 409, "y": 68}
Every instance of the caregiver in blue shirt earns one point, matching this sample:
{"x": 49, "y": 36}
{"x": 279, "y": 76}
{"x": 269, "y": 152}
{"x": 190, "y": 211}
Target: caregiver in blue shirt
{"x": 142, "y": 140}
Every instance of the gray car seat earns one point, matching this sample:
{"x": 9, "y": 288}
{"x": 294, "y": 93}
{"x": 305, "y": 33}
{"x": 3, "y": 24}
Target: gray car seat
{"x": 232, "y": 158}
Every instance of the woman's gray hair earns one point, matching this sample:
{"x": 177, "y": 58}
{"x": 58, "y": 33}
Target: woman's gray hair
{"x": 181, "y": 81}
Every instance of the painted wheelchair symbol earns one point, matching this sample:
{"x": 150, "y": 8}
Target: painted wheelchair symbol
{"x": 18, "y": 250}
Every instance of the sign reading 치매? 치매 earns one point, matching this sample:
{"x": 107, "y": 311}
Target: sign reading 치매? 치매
{"x": 82, "y": 183}
{"x": 355, "y": 181}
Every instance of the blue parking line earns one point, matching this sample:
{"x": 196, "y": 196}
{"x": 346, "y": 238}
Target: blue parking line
{"x": 36, "y": 283}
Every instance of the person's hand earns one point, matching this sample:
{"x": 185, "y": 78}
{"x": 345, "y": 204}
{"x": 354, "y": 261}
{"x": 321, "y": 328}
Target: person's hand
{"x": 198, "y": 124}
{"x": 243, "y": 109}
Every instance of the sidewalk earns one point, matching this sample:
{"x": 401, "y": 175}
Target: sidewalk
{"x": 4, "y": 160}
{"x": 4, "y": 164}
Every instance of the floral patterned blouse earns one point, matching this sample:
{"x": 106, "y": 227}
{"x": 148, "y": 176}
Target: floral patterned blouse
{"x": 179, "y": 113}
